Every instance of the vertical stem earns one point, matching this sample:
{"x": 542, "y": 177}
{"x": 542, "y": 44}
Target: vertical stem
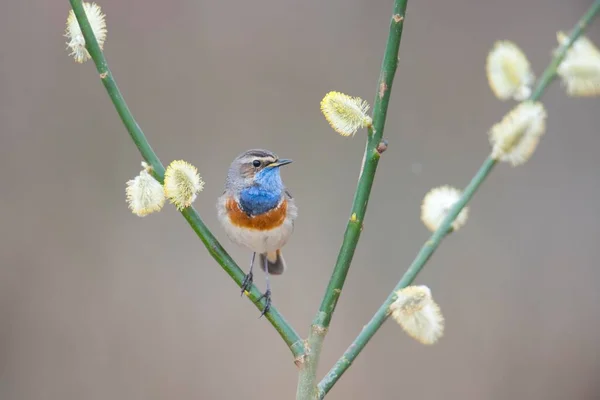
{"x": 307, "y": 378}
{"x": 369, "y": 166}
{"x": 307, "y": 388}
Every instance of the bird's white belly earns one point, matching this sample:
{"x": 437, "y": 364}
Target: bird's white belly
{"x": 260, "y": 241}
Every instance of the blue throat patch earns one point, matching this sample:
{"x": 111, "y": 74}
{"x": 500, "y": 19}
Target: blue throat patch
{"x": 265, "y": 194}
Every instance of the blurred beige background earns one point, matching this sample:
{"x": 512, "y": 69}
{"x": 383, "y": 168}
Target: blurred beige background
{"x": 96, "y": 303}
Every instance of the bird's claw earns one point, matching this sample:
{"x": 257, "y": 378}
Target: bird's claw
{"x": 247, "y": 282}
{"x": 267, "y": 297}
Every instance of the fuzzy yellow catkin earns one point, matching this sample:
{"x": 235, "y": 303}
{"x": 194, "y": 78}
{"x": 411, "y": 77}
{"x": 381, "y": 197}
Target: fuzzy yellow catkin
{"x": 508, "y": 71}
{"x": 516, "y": 137}
{"x": 182, "y": 183}
{"x": 437, "y": 204}
{"x": 73, "y": 32}
{"x": 580, "y": 69}
{"x": 416, "y": 312}
{"x": 344, "y": 113}
{"x": 145, "y": 194}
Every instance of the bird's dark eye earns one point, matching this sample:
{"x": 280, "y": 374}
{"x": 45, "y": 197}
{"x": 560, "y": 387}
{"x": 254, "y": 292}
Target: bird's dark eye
{"x": 256, "y": 163}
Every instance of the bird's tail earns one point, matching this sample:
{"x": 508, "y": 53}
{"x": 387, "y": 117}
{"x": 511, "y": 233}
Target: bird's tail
{"x": 274, "y": 261}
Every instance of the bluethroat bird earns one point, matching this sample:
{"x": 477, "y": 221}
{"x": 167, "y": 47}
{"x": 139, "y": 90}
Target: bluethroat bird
{"x": 258, "y": 212}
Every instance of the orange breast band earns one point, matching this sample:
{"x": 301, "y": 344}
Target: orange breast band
{"x": 263, "y": 222}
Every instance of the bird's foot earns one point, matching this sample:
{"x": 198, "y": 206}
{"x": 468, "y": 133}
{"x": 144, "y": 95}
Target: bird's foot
{"x": 267, "y": 297}
{"x": 247, "y": 282}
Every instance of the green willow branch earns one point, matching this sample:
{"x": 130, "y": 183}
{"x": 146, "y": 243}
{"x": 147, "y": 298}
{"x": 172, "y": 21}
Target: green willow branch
{"x": 369, "y": 167}
{"x": 287, "y": 333}
{"x": 307, "y": 388}
{"x": 434, "y": 241}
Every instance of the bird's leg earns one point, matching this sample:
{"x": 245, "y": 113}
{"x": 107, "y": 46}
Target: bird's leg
{"x": 267, "y": 294}
{"x": 247, "y": 282}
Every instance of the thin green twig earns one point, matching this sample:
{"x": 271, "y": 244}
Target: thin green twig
{"x": 288, "y": 334}
{"x": 368, "y": 168}
{"x": 307, "y": 388}
{"x": 434, "y": 241}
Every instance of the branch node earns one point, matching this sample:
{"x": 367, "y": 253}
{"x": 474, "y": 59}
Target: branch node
{"x": 319, "y": 330}
{"x": 398, "y": 18}
{"x": 382, "y": 146}
{"x": 383, "y": 87}
{"x": 300, "y": 360}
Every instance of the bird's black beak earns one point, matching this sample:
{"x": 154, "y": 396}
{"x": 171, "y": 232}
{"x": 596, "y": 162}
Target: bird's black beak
{"x": 279, "y": 163}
